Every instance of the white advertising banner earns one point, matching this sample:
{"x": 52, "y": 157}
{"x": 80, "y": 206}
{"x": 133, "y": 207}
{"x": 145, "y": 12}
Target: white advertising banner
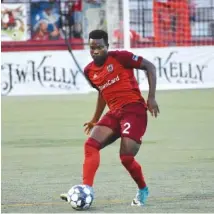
{"x": 180, "y": 68}
{"x": 54, "y": 72}
{"x": 44, "y": 72}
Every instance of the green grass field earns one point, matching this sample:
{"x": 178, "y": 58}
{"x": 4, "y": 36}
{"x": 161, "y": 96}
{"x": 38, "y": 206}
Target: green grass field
{"x": 42, "y": 153}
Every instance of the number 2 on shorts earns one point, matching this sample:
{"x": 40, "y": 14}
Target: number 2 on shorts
{"x": 127, "y": 127}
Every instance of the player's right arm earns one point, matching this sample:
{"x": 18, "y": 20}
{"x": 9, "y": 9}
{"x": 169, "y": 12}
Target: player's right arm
{"x": 100, "y": 106}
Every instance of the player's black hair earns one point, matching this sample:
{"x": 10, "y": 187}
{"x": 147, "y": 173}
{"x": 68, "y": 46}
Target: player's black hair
{"x": 99, "y": 34}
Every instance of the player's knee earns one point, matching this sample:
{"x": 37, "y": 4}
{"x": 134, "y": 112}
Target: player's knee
{"x": 90, "y": 142}
{"x": 126, "y": 160}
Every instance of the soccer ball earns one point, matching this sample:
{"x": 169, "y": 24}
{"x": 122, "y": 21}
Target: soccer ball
{"x": 80, "y": 197}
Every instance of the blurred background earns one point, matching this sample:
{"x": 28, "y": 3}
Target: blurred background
{"x": 43, "y": 136}
{"x": 43, "y": 25}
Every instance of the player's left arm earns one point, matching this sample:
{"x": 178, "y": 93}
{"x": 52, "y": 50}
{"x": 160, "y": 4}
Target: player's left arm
{"x": 129, "y": 60}
{"x": 150, "y": 71}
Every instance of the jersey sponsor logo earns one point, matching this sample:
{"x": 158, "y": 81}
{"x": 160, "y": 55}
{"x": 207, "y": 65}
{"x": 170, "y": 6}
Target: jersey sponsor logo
{"x": 135, "y": 58}
{"x": 110, "y": 68}
{"x": 109, "y": 83}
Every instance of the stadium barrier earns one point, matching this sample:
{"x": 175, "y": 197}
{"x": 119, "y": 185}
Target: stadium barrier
{"x": 43, "y": 73}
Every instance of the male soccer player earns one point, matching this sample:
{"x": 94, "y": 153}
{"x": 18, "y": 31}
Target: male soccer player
{"x": 111, "y": 73}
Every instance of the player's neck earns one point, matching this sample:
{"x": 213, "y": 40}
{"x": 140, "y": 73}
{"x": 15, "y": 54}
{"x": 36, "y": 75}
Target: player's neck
{"x": 101, "y": 63}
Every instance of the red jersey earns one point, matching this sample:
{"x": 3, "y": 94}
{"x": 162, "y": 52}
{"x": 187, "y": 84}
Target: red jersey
{"x": 115, "y": 78}
{"x": 77, "y": 5}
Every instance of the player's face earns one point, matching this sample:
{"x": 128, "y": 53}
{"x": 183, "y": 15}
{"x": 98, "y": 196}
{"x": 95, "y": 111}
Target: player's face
{"x": 98, "y": 50}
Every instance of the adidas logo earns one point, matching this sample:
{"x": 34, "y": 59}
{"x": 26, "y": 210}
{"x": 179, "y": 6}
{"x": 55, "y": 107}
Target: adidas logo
{"x": 95, "y": 76}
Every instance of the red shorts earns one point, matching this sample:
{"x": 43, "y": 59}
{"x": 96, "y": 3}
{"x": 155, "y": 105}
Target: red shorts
{"x": 129, "y": 121}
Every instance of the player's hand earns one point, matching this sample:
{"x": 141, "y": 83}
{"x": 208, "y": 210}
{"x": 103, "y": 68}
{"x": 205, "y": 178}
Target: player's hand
{"x": 153, "y": 106}
{"x": 88, "y": 127}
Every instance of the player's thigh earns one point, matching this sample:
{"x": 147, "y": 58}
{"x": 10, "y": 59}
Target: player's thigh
{"x": 102, "y": 134}
{"x": 106, "y": 131}
{"x": 133, "y": 125}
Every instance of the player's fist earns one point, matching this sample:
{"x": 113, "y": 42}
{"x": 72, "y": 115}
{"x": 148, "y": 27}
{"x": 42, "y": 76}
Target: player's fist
{"x": 153, "y": 106}
{"x": 89, "y": 126}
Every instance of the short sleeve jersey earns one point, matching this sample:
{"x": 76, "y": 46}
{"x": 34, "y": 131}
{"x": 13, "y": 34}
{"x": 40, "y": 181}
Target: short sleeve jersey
{"x": 115, "y": 78}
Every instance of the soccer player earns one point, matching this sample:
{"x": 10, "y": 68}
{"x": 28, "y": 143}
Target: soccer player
{"x": 111, "y": 73}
